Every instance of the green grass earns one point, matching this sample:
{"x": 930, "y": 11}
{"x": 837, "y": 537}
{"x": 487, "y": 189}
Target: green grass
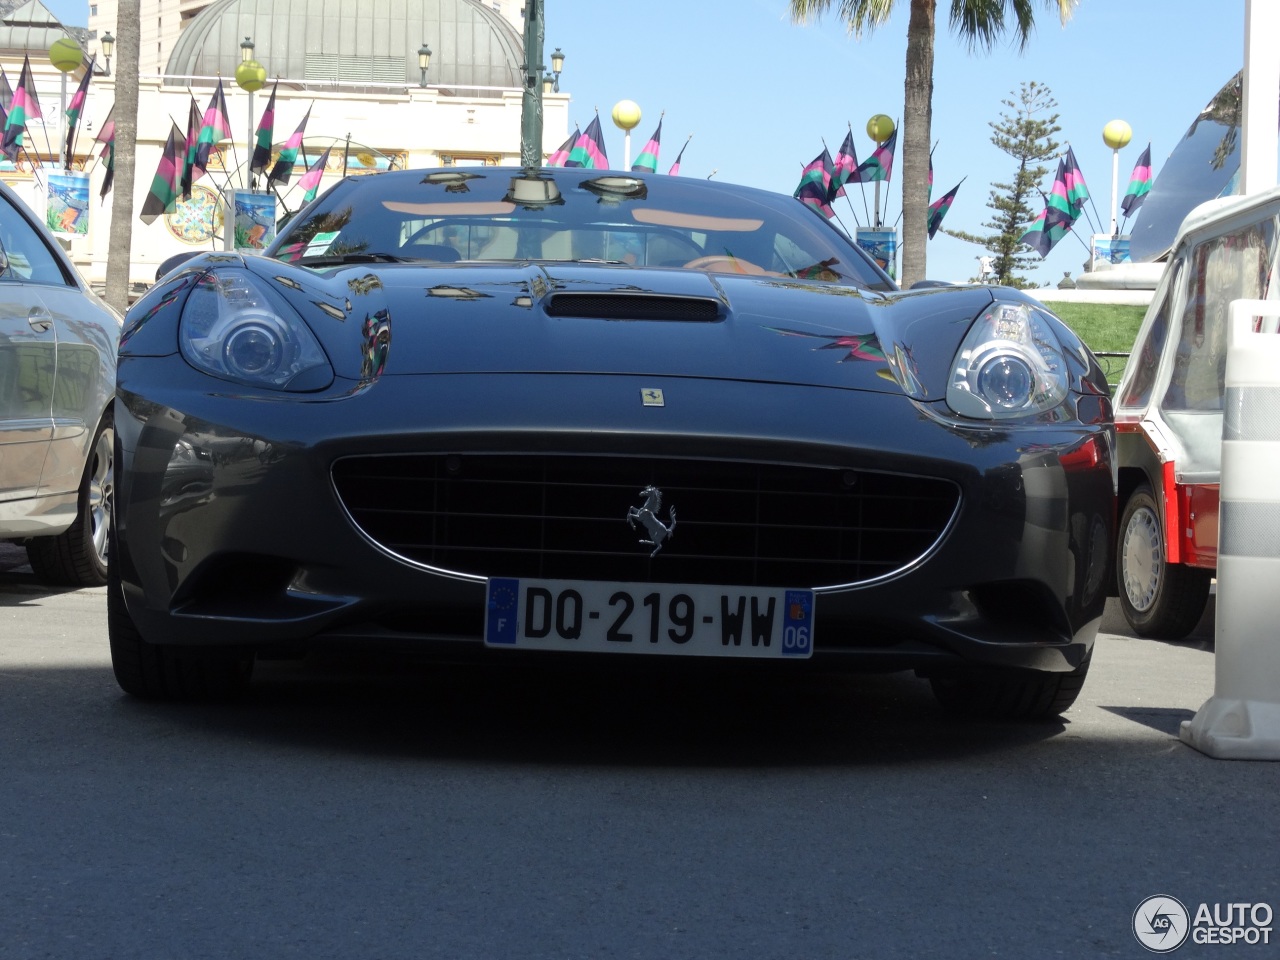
{"x": 1105, "y": 327}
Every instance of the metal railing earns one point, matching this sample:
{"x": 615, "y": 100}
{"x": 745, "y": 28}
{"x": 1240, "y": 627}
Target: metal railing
{"x": 1113, "y": 364}
{"x": 348, "y": 86}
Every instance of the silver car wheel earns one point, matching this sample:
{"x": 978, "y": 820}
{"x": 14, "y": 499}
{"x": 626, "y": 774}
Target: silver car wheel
{"x": 100, "y": 492}
{"x": 1142, "y": 563}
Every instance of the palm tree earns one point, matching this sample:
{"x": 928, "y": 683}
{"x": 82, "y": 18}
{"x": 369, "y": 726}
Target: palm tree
{"x": 128, "y": 27}
{"x": 979, "y": 23}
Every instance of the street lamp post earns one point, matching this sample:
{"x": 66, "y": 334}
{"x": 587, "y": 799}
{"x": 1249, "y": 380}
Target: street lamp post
{"x": 65, "y": 54}
{"x": 557, "y": 64}
{"x": 250, "y": 76}
{"x": 107, "y": 43}
{"x": 1115, "y": 135}
{"x": 424, "y": 61}
{"x": 626, "y": 114}
{"x": 531, "y": 99}
{"x": 551, "y": 78}
{"x": 879, "y": 128}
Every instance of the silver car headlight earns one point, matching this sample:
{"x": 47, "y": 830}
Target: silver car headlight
{"x": 1010, "y": 365}
{"x": 235, "y": 327}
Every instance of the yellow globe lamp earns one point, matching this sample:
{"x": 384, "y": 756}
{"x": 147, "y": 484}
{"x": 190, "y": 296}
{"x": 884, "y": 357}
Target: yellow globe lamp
{"x": 251, "y": 76}
{"x": 65, "y": 54}
{"x": 1117, "y": 134}
{"x": 626, "y": 114}
{"x": 880, "y": 128}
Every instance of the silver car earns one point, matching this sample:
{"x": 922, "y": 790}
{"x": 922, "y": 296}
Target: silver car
{"x": 57, "y": 377}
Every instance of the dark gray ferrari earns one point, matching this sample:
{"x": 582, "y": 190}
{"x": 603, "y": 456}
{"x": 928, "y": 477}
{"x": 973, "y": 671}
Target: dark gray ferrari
{"x": 537, "y": 417}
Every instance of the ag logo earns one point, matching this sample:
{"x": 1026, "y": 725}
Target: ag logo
{"x": 1161, "y": 924}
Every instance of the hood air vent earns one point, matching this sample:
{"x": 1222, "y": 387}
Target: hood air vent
{"x": 632, "y": 306}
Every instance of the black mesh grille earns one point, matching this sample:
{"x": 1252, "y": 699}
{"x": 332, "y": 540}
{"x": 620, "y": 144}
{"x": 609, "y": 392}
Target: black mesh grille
{"x": 616, "y": 306}
{"x": 565, "y": 517}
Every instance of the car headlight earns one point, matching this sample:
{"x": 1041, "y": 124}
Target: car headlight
{"x": 235, "y": 327}
{"x": 1010, "y": 365}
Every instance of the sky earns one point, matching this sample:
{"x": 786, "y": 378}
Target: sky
{"x": 760, "y": 95}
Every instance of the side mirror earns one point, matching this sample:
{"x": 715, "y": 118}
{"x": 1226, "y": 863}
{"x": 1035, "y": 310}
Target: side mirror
{"x": 4, "y": 261}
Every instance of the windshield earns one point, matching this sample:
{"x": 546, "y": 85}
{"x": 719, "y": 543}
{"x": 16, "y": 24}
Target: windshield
{"x": 577, "y": 216}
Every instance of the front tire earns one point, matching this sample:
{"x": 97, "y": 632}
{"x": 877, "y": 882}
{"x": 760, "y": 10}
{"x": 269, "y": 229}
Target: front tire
{"x": 78, "y": 556}
{"x": 1160, "y": 600}
{"x": 1006, "y": 694}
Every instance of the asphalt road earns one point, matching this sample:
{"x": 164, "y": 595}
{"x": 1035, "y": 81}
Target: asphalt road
{"x": 383, "y": 809}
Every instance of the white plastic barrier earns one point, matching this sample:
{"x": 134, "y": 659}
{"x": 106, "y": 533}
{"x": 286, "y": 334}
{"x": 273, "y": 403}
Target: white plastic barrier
{"x": 1241, "y": 721}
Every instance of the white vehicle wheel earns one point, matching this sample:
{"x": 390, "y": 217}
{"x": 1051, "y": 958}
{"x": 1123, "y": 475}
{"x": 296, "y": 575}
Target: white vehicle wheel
{"x": 1159, "y": 599}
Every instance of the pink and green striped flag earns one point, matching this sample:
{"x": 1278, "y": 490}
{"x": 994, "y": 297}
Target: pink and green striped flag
{"x": 310, "y": 181}
{"x": 191, "y": 172}
{"x": 878, "y": 166}
{"x": 558, "y": 158}
{"x": 25, "y": 107}
{"x": 1139, "y": 184}
{"x": 815, "y": 183}
{"x": 1069, "y": 190}
{"x": 109, "y": 176}
{"x": 166, "y": 185}
{"x": 648, "y": 159}
{"x": 1050, "y": 227}
{"x": 938, "y": 209}
{"x": 675, "y": 167}
{"x": 107, "y": 137}
{"x": 283, "y": 169}
{"x": 74, "y": 109}
{"x": 214, "y": 128}
{"x": 843, "y": 166}
{"x": 266, "y": 131}
{"x": 589, "y": 150}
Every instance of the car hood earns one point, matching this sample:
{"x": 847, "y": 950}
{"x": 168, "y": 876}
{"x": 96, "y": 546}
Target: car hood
{"x": 594, "y": 319}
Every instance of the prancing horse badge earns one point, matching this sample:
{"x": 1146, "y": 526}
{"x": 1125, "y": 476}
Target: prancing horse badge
{"x": 647, "y": 515}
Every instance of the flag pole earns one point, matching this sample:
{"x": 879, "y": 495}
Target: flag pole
{"x": 35, "y": 167}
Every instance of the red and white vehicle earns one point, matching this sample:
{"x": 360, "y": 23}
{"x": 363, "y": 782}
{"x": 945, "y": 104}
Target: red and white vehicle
{"x": 1168, "y": 411}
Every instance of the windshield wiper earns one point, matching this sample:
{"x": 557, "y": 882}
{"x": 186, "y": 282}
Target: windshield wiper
{"x": 339, "y": 259}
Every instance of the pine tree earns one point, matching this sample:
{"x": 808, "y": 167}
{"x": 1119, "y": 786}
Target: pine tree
{"x": 1026, "y": 134}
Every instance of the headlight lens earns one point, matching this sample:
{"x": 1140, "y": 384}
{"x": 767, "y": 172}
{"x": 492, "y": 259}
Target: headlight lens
{"x": 235, "y": 327}
{"x": 1010, "y": 365}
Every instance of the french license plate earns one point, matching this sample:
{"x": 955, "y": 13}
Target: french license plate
{"x": 654, "y": 618}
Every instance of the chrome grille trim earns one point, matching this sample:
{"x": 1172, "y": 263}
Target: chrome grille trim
{"x": 471, "y": 516}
